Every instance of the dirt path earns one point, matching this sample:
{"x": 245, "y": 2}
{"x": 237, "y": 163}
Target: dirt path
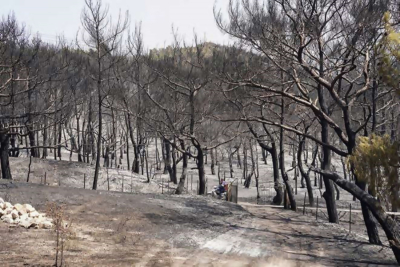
{"x": 123, "y": 229}
{"x": 304, "y": 239}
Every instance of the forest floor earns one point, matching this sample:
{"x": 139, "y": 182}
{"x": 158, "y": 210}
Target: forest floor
{"x": 73, "y": 174}
{"x": 137, "y": 229}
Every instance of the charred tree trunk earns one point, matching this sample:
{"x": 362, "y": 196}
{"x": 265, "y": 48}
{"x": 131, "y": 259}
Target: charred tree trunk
{"x": 212, "y": 162}
{"x": 44, "y": 154}
{"x": 100, "y": 132}
{"x": 55, "y": 136}
{"x": 305, "y": 175}
{"x": 83, "y": 136}
{"x": 282, "y": 153}
{"x": 114, "y": 138}
{"x": 164, "y": 156}
{"x": 107, "y": 157}
{"x": 264, "y": 155}
{"x": 370, "y": 224}
{"x": 253, "y": 167}
{"x": 90, "y": 134}
{"x": 244, "y": 161}
{"x": 4, "y": 157}
{"x": 30, "y": 127}
{"x": 329, "y": 194}
{"x": 13, "y": 139}
{"x": 175, "y": 181}
{"x": 257, "y": 170}
{"x": 337, "y": 192}
{"x": 78, "y": 133}
{"x": 121, "y": 148}
{"x": 127, "y": 152}
{"x": 146, "y": 160}
{"x": 181, "y": 185}
{"x": 230, "y": 156}
{"x": 200, "y": 167}
{"x": 239, "y": 161}
{"x": 158, "y": 163}
{"x": 168, "y": 156}
{"x": 277, "y": 200}
{"x": 285, "y": 177}
{"x": 135, "y": 164}
{"x": 59, "y": 140}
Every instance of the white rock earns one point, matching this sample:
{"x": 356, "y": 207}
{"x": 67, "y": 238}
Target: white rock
{"x": 26, "y": 223}
{"x": 8, "y": 210}
{"x": 7, "y": 205}
{"x": 35, "y": 223}
{"x": 24, "y": 217}
{"x": 2, "y": 212}
{"x": 21, "y": 210}
{"x": 7, "y": 218}
{"x": 28, "y": 208}
{"x": 45, "y": 225}
{"x": 1, "y": 200}
{"x": 34, "y": 214}
{"x": 14, "y": 214}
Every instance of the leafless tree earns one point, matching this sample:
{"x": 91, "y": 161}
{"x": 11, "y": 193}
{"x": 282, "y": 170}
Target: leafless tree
{"x": 104, "y": 39}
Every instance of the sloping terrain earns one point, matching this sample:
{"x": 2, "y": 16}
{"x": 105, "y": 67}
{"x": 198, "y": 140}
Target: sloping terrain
{"x": 124, "y": 229}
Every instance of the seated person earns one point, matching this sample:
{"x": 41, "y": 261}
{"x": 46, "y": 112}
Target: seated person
{"x": 220, "y": 189}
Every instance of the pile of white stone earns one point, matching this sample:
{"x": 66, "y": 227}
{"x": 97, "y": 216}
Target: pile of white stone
{"x": 24, "y": 215}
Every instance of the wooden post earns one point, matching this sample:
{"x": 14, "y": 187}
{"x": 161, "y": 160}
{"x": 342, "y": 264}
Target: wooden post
{"x": 123, "y": 184}
{"x": 45, "y": 176}
{"x": 316, "y": 214}
{"x": 304, "y": 204}
{"x": 295, "y": 183}
{"x": 350, "y": 220}
{"x": 84, "y": 181}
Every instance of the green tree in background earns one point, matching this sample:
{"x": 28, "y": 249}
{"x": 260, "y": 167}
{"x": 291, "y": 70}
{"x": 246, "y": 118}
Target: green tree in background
{"x": 389, "y": 51}
{"x": 376, "y": 161}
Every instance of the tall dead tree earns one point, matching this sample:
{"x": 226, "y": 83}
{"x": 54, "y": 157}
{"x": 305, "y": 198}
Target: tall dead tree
{"x": 105, "y": 40}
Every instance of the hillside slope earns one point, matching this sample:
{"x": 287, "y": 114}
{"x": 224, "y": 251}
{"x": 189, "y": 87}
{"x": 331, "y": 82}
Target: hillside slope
{"x": 127, "y": 229}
